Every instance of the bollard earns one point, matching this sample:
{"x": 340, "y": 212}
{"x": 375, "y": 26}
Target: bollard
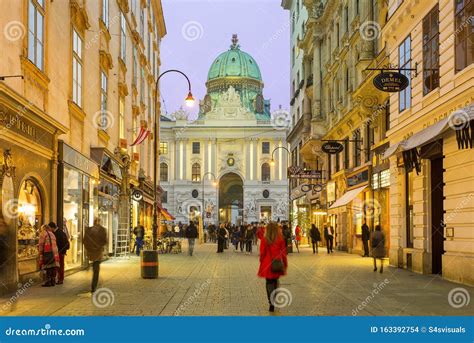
{"x": 149, "y": 264}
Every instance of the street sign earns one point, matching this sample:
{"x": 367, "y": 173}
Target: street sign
{"x": 332, "y": 147}
{"x": 137, "y": 195}
{"x": 391, "y": 82}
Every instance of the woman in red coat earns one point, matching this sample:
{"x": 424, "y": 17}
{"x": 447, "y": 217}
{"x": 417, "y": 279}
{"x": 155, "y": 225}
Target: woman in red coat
{"x": 273, "y": 261}
{"x": 297, "y": 237}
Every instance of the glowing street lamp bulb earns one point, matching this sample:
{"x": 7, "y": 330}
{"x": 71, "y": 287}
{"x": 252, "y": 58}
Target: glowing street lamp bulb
{"x": 272, "y": 162}
{"x": 214, "y": 183}
{"x": 189, "y": 100}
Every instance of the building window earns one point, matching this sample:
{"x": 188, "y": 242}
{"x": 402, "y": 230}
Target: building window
{"x": 163, "y": 172}
{"x": 409, "y": 208}
{"x": 464, "y": 42}
{"x": 142, "y": 85}
{"x": 122, "y": 117}
{"x": 142, "y": 23}
{"x": 346, "y": 19}
{"x": 135, "y": 67}
{"x": 196, "y": 147}
{"x": 76, "y": 68}
{"x": 387, "y": 118}
{"x": 265, "y": 147}
{"x": 369, "y": 141}
{"x": 164, "y": 197}
{"x": 163, "y": 148}
{"x": 105, "y": 13}
{"x": 265, "y": 172}
{"x": 123, "y": 37}
{"x": 196, "y": 172}
{"x": 404, "y": 62}
{"x": 346, "y": 152}
{"x": 431, "y": 51}
{"x": 356, "y": 150}
{"x": 103, "y": 100}
{"x": 36, "y": 32}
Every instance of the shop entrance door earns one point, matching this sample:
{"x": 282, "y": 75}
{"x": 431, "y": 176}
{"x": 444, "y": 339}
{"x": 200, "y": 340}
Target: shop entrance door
{"x": 437, "y": 210}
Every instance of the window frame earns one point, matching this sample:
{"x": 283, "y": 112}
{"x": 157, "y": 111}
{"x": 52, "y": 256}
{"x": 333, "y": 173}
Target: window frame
{"x": 265, "y": 147}
{"x": 405, "y": 63}
{"x": 460, "y": 29}
{"x": 196, "y": 172}
{"x": 104, "y": 85}
{"x": 35, "y": 43}
{"x": 163, "y": 148}
{"x": 430, "y": 51}
{"x": 77, "y": 67}
{"x": 164, "y": 172}
{"x": 196, "y": 148}
{"x": 123, "y": 37}
{"x": 265, "y": 172}
{"x": 104, "y": 14}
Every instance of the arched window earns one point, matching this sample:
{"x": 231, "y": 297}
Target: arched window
{"x": 265, "y": 172}
{"x": 163, "y": 171}
{"x": 196, "y": 172}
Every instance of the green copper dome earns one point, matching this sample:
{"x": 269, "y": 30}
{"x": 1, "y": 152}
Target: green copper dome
{"x": 234, "y": 63}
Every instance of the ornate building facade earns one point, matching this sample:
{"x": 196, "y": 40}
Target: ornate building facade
{"x": 230, "y": 161}
{"x": 87, "y": 79}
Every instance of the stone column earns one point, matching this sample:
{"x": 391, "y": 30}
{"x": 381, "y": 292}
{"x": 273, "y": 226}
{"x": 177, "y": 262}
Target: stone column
{"x": 184, "y": 158}
{"x": 367, "y": 46}
{"x": 177, "y": 158}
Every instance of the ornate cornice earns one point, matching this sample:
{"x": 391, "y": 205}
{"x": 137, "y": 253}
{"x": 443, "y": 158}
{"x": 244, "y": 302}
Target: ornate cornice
{"x": 106, "y": 60}
{"x": 79, "y": 16}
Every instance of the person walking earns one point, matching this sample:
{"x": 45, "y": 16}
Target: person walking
{"x": 329, "y": 237}
{"x": 297, "y": 237}
{"x": 221, "y": 237}
{"x": 242, "y": 237}
{"x": 62, "y": 243}
{"x": 287, "y": 236}
{"x": 191, "y": 234}
{"x": 95, "y": 239}
{"x": 378, "y": 247}
{"x": 273, "y": 261}
{"x": 315, "y": 237}
{"x": 236, "y": 238}
{"x": 365, "y": 238}
{"x": 249, "y": 239}
{"x": 139, "y": 232}
{"x": 48, "y": 255}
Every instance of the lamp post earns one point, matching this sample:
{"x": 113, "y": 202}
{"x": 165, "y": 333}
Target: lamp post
{"x": 189, "y": 102}
{"x": 272, "y": 163}
{"x": 203, "y": 199}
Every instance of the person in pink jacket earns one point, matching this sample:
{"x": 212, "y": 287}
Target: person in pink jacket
{"x": 48, "y": 255}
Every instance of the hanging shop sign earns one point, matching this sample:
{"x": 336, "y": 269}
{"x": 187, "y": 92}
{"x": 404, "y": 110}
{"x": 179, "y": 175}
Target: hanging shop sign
{"x": 137, "y": 195}
{"x": 332, "y": 147}
{"x": 391, "y": 82}
{"x": 311, "y": 187}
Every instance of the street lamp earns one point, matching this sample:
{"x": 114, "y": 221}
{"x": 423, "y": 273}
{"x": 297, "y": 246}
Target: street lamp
{"x": 272, "y": 163}
{"x": 214, "y": 183}
{"x": 189, "y": 101}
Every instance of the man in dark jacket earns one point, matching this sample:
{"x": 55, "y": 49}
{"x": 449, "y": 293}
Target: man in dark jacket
{"x": 365, "y": 238}
{"x": 139, "y": 233}
{"x": 191, "y": 234}
{"x": 315, "y": 237}
{"x": 95, "y": 239}
{"x": 329, "y": 237}
{"x": 63, "y": 246}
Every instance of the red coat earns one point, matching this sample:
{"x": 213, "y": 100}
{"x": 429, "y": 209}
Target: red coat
{"x": 260, "y": 232}
{"x": 268, "y": 252}
{"x": 298, "y": 233}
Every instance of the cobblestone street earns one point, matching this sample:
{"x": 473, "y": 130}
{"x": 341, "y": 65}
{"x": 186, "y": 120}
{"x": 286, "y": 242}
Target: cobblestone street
{"x": 226, "y": 284}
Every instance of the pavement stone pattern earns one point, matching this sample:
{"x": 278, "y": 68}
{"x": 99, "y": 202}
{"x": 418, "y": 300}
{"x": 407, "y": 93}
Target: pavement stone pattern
{"x": 211, "y": 284}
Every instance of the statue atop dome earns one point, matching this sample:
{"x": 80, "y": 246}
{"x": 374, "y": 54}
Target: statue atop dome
{"x": 235, "y": 42}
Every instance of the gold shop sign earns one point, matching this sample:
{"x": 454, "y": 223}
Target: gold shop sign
{"x": 16, "y": 123}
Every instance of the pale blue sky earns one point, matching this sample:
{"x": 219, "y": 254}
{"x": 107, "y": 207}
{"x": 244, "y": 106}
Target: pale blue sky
{"x": 199, "y": 30}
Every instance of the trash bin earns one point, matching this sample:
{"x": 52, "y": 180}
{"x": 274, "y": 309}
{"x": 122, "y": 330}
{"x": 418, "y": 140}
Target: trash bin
{"x": 149, "y": 264}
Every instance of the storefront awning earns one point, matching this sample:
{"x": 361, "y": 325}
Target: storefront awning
{"x": 166, "y": 215}
{"x": 459, "y": 121}
{"x": 347, "y": 197}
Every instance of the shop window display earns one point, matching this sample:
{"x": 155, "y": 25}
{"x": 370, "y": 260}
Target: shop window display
{"x": 29, "y": 221}
{"x": 72, "y": 199}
